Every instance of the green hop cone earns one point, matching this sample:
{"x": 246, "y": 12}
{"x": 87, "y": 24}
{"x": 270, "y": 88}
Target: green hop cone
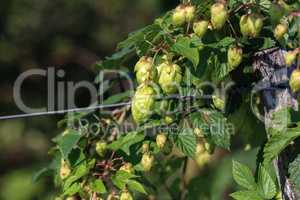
{"x": 200, "y": 28}
{"x": 143, "y": 103}
{"x": 168, "y": 119}
{"x": 71, "y": 198}
{"x": 145, "y": 148}
{"x": 125, "y": 195}
{"x": 234, "y": 57}
{"x": 161, "y": 140}
{"x": 170, "y": 77}
{"x": 144, "y": 70}
{"x": 64, "y": 169}
{"x": 127, "y": 167}
{"x": 244, "y": 25}
{"x": 101, "y": 148}
{"x": 278, "y": 196}
{"x": 210, "y": 148}
{"x": 199, "y": 132}
{"x": 218, "y": 102}
{"x": 290, "y": 57}
{"x": 251, "y": 25}
{"x": 202, "y": 157}
{"x": 112, "y": 197}
{"x": 295, "y": 81}
{"x": 280, "y": 30}
{"x": 178, "y": 17}
{"x": 189, "y": 13}
{"x": 219, "y": 15}
{"x": 147, "y": 161}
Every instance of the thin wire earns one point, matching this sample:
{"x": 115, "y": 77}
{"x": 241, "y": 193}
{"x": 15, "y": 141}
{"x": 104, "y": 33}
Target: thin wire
{"x": 58, "y": 112}
{"x": 63, "y": 111}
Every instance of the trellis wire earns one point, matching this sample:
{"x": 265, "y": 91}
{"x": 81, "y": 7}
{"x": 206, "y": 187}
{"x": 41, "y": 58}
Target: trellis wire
{"x": 58, "y": 112}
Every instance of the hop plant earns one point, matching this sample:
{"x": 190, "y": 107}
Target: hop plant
{"x": 290, "y": 57}
{"x": 200, "y": 28}
{"x": 125, "y": 195}
{"x": 178, "y": 17}
{"x": 182, "y": 14}
{"x": 202, "y": 157}
{"x": 64, "y": 169}
{"x": 210, "y": 148}
{"x": 101, "y": 148}
{"x": 147, "y": 161}
{"x": 161, "y": 140}
{"x": 219, "y": 15}
{"x": 295, "y": 80}
{"x": 234, "y": 56}
{"x": 189, "y": 13}
{"x": 280, "y": 30}
{"x": 70, "y": 198}
{"x": 251, "y": 25}
{"x": 170, "y": 77}
{"x": 199, "y": 132}
{"x": 112, "y": 197}
{"x": 278, "y": 196}
{"x": 143, "y": 103}
{"x": 144, "y": 70}
{"x": 168, "y": 119}
{"x": 218, "y": 102}
{"x": 145, "y": 148}
{"x": 199, "y": 60}
{"x": 128, "y": 167}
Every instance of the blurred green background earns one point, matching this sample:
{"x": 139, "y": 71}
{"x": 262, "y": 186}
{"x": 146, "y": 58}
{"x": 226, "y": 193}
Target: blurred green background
{"x": 66, "y": 34}
{"x": 71, "y": 35}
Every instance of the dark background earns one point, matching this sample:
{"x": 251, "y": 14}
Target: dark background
{"x": 66, "y": 34}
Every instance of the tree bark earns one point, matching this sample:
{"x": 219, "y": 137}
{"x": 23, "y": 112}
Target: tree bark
{"x": 276, "y": 94}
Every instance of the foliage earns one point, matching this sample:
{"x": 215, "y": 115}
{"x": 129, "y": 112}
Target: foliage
{"x": 174, "y": 99}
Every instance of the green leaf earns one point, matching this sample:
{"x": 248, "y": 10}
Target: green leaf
{"x": 219, "y": 65}
{"x": 225, "y": 42}
{"x": 118, "y": 182}
{"x": 214, "y": 126}
{"x": 76, "y": 157}
{"x": 114, "y": 61}
{"x": 266, "y": 185}
{"x": 118, "y": 97}
{"x": 73, "y": 189}
{"x": 221, "y": 71}
{"x": 98, "y": 186}
{"x": 121, "y": 178}
{"x": 186, "y": 142}
{"x": 67, "y": 142}
{"x": 80, "y": 171}
{"x": 134, "y": 185}
{"x": 294, "y": 171}
{"x": 268, "y": 43}
{"x": 279, "y": 142}
{"x": 183, "y": 46}
{"x": 282, "y": 119}
{"x": 42, "y": 172}
{"x": 220, "y": 130}
{"x": 265, "y": 5}
{"x": 124, "y": 142}
{"x": 243, "y": 176}
{"x": 246, "y": 195}
{"x": 138, "y": 36}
